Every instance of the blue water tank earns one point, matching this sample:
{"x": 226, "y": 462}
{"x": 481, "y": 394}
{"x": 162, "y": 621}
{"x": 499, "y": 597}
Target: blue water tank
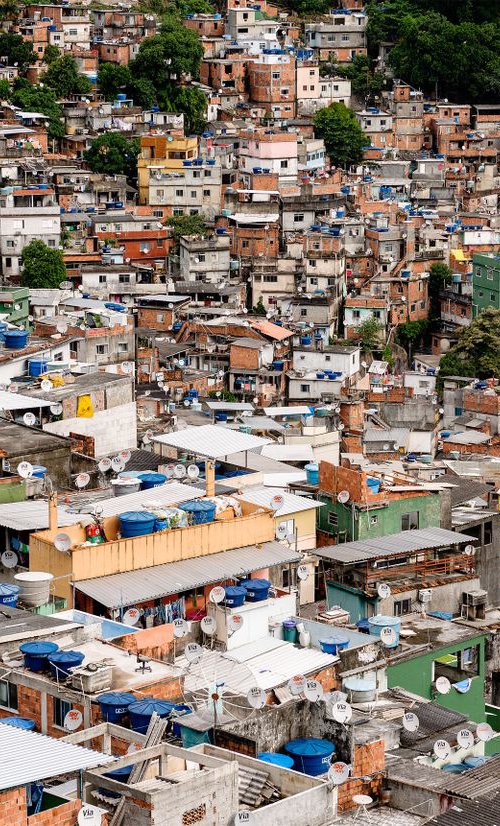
{"x": 305, "y": 341}
{"x": 16, "y": 339}
{"x": 380, "y": 621}
{"x": 61, "y": 663}
{"x": 120, "y": 775}
{"x": 363, "y": 626}
{"x": 257, "y": 590}
{"x": 151, "y": 480}
{"x": 179, "y": 710}
{"x": 36, "y": 654}
{"x": 39, "y": 471}
{"x": 334, "y": 643}
{"x": 19, "y": 722}
{"x": 312, "y": 473}
{"x": 37, "y": 366}
{"x": 199, "y": 510}
{"x": 311, "y": 755}
{"x": 114, "y": 705}
{"x": 235, "y": 596}
{"x": 113, "y": 305}
{"x": 220, "y": 416}
{"x": 8, "y": 594}
{"x": 281, "y": 760}
{"x": 140, "y": 713}
{"x": 373, "y": 484}
{"x": 136, "y": 523}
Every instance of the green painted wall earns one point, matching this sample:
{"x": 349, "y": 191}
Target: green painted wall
{"x": 485, "y": 283}
{"x": 416, "y": 675}
{"x": 350, "y": 599}
{"x": 388, "y": 519}
{"x": 12, "y": 492}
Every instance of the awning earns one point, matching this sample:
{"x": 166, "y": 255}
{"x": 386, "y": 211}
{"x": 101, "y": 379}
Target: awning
{"x": 132, "y": 587}
{"x": 211, "y": 440}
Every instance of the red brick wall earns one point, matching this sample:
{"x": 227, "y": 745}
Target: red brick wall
{"x": 13, "y": 807}
{"x": 244, "y": 357}
{"x": 148, "y": 317}
{"x": 369, "y": 759}
{"x": 478, "y": 402}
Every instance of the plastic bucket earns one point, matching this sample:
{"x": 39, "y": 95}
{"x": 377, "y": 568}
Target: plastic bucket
{"x": 289, "y": 630}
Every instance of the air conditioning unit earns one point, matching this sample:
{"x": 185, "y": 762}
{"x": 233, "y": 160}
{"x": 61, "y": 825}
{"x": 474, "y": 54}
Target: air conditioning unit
{"x": 425, "y": 595}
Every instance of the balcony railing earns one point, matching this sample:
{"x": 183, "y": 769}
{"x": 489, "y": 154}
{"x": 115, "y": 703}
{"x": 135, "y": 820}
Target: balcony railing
{"x": 423, "y": 570}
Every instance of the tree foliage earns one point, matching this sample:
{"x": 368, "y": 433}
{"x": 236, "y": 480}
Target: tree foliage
{"x": 368, "y": 335}
{"x": 439, "y": 278}
{"x": 189, "y": 100}
{"x": 113, "y": 154}
{"x": 40, "y": 99}
{"x": 43, "y": 267}
{"x": 175, "y": 51}
{"x": 114, "y": 78}
{"x": 365, "y": 83}
{"x": 259, "y": 308}
{"x": 186, "y": 225}
{"x": 63, "y": 77}
{"x": 476, "y": 352}
{"x": 51, "y": 54}
{"x": 5, "y": 90}
{"x": 411, "y": 332}
{"x": 17, "y": 50}
{"x": 344, "y": 139}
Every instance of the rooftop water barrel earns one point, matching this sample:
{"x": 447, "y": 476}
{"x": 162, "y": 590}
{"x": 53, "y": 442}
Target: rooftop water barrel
{"x": 320, "y": 374}
{"x": 305, "y": 341}
{"x": 19, "y": 722}
{"x": 311, "y": 755}
{"x": 61, "y": 663}
{"x": 8, "y": 594}
{"x": 136, "y": 523}
{"x": 120, "y": 775}
{"x": 373, "y": 484}
{"x": 360, "y": 690}
{"x": 34, "y": 587}
{"x": 334, "y": 643}
{"x": 199, "y": 510}
{"x": 179, "y": 710}
{"x": 121, "y": 96}
{"x": 281, "y": 760}
{"x": 235, "y": 596}
{"x": 140, "y": 713}
{"x": 312, "y": 473}
{"x": 290, "y": 630}
{"x": 380, "y": 621}
{"x": 278, "y": 365}
{"x": 257, "y": 590}
{"x": 39, "y": 471}
{"x": 151, "y": 480}
{"x": 37, "y": 366}
{"x": 114, "y": 705}
{"x": 16, "y": 339}
{"x": 36, "y": 654}
{"x": 3, "y": 327}
{"x": 220, "y": 417}
{"x": 122, "y": 486}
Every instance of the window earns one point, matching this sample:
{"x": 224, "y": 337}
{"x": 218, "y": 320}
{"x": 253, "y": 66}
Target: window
{"x": 8, "y": 695}
{"x": 288, "y": 526}
{"x": 409, "y": 521}
{"x": 10, "y": 243}
{"x": 275, "y": 75}
{"x": 8, "y": 262}
{"x": 102, "y": 279}
{"x": 59, "y": 710}
{"x": 284, "y": 164}
{"x": 457, "y": 665}
{"x": 298, "y": 217}
{"x": 124, "y": 278}
{"x": 179, "y": 193}
{"x": 160, "y": 193}
{"x": 101, "y": 349}
{"x": 178, "y": 212}
{"x": 492, "y": 296}
{"x": 285, "y": 580}
{"x": 333, "y": 519}
{"x": 305, "y": 388}
{"x": 73, "y": 32}
{"x": 373, "y": 520}
{"x": 207, "y": 193}
{"x": 201, "y": 258}
{"x": 402, "y": 607}
{"x": 270, "y": 279}
{"x": 194, "y": 193}
{"x": 356, "y": 314}
{"x": 303, "y": 312}
{"x": 489, "y": 275}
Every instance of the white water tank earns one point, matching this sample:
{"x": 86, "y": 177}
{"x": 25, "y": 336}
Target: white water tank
{"x": 35, "y": 587}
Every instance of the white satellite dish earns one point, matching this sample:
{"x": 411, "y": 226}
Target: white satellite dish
{"x": 297, "y": 684}
{"x": 73, "y": 720}
{"x": 235, "y": 622}
{"x": 125, "y": 456}
{"x": 281, "y": 533}
{"x": 25, "y": 470}
{"x": 127, "y": 367}
{"x": 341, "y": 712}
{"x": 149, "y": 434}
{"x": 383, "y": 590}
{"x": 66, "y": 285}
{"x": 62, "y": 542}
{"x": 313, "y": 691}
{"x": 180, "y": 628}
{"x": 338, "y": 773}
{"x": 82, "y": 480}
{"x": 186, "y": 403}
{"x": 386, "y": 446}
{"x": 442, "y": 749}
{"x": 243, "y": 819}
{"x": 217, "y": 594}
{"x": 443, "y": 685}
{"x": 9, "y": 559}
{"x": 117, "y": 464}
{"x": 104, "y": 465}
{"x": 29, "y": 419}
{"x": 256, "y": 697}
{"x": 277, "y": 502}
{"x": 343, "y": 497}
{"x": 193, "y": 652}
{"x": 179, "y": 472}
{"x": 302, "y": 572}
{"x": 169, "y": 471}
{"x": 469, "y": 550}
{"x": 388, "y": 636}
{"x": 56, "y": 409}
{"x": 62, "y": 326}
{"x": 131, "y": 617}
{"x": 410, "y": 721}
{"x": 193, "y": 471}
{"x": 47, "y": 385}
{"x": 484, "y": 732}
{"x": 465, "y": 738}
{"x": 89, "y": 816}
{"x": 208, "y": 626}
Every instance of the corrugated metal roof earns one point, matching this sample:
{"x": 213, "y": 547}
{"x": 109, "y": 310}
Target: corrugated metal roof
{"x": 26, "y": 757}
{"x": 485, "y": 811}
{"x": 393, "y": 544}
{"x": 282, "y": 480}
{"x": 230, "y": 406}
{"x": 32, "y": 515}
{"x": 289, "y": 453}
{"x": 119, "y": 590}
{"x": 478, "y": 782}
{"x": 299, "y": 410}
{"x": 211, "y": 440}
{"x": 18, "y": 401}
{"x": 169, "y": 494}
{"x": 471, "y": 437}
{"x": 292, "y": 503}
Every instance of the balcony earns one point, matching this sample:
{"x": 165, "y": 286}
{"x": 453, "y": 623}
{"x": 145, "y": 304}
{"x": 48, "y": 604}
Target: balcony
{"x": 421, "y": 572}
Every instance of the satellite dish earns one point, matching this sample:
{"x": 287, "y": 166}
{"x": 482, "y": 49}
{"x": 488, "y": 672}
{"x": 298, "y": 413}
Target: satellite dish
{"x": 131, "y": 617}
{"x": 277, "y": 502}
{"x": 297, "y": 684}
{"x": 443, "y": 685}
{"x": 125, "y": 456}
{"x": 47, "y": 385}
{"x": 62, "y": 542}
{"x": 217, "y": 594}
{"x": 89, "y": 815}
{"x": 180, "y": 628}
{"x": 179, "y": 472}
{"x": 338, "y": 773}
{"x": 56, "y": 409}
{"x": 442, "y": 749}
{"x": 386, "y": 446}
{"x": 82, "y": 480}
{"x": 9, "y": 559}
{"x": 235, "y": 622}
{"x": 25, "y": 470}
{"x": 465, "y": 738}
{"x": 313, "y": 691}
{"x": 29, "y": 419}
{"x": 193, "y": 652}
{"x": 62, "y": 326}
{"x": 193, "y": 471}
{"x": 256, "y": 697}
{"x": 484, "y": 732}
{"x": 66, "y": 285}
{"x": 383, "y": 590}
{"x": 104, "y": 465}
{"x": 469, "y": 550}
{"x": 343, "y": 497}
{"x": 149, "y": 434}
{"x": 73, "y": 720}
{"x": 410, "y": 721}
{"x": 169, "y": 471}
{"x": 281, "y": 533}
{"x": 243, "y": 819}
{"x": 255, "y": 399}
{"x": 186, "y": 403}
{"x": 341, "y": 712}
{"x": 302, "y": 572}
{"x": 388, "y": 636}
{"x": 117, "y": 464}
{"x": 208, "y": 626}
{"x": 127, "y": 366}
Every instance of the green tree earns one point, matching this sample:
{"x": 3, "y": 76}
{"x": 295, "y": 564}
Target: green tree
{"x": 223, "y": 395}
{"x": 476, "y": 352}
{"x": 186, "y": 225}
{"x": 113, "y": 154}
{"x": 411, "y": 332}
{"x": 9, "y": 10}
{"x": 51, "y": 54}
{"x": 5, "y": 90}
{"x": 142, "y": 92}
{"x": 368, "y": 335}
{"x": 439, "y": 278}
{"x": 113, "y": 78}
{"x": 175, "y": 51}
{"x": 63, "y": 77}
{"x": 40, "y": 99}
{"x": 365, "y": 83}
{"x": 190, "y": 101}
{"x": 43, "y": 267}
{"x": 259, "y": 308}
{"x": 344, "y": 139}
{"x": 17, "y": 50}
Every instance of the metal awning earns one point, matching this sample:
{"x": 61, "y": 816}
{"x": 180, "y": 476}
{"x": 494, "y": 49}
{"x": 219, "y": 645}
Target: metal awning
{"x": 395, "y": 544}
{"x": 121, "y": 590}
{"x": 229, "y": 407}
{"x": 18, "y": 401}
{"x": 211, "y": 440}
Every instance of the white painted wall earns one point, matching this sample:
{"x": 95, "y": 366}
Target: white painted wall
{"x": 113, "y": 430}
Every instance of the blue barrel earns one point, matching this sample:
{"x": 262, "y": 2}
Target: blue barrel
{"x": 120, "y": 775}
{"x": 289, "y": 630}
{"x": 311, "y": 755}
{"x": 179, "y": 710}
{"x": 363, "y": 626}
{"x": 220, "y": 417}
{"x": 160, "y": 525}
{"x": 19, "y": 722}
{"x": 114, "y": 705}
{"x": 380, "y": 621}
{"x": 199, "y": 510}
{"x": 37, "y": 366}
{"x": 281, "y": 760}
{"x": 36, "y": 654}
{"x": 312, "y": 473}
{"x": 113, "y": 305}
{"x": 334, "y": 643}
{"x": 136, "y": 523}
{"x": 469, "y": 762}
{"x": 16, "y": 339}
{"x": 140, "y": 713}
{"x": 39, "y": 471}
{"x": 257, "y": 590}
{"x": 9, "y": 594}
{"x": 235, "y": 596}
{"x": 373, "y": 484}
{"x": 151, "y": 480}
{"x": 61, "y": 663}
{"x": 305, "y": 341}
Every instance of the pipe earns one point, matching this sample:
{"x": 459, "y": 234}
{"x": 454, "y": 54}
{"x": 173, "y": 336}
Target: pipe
{"x": 210, "y": 478}
{"x": 53, "y": 526}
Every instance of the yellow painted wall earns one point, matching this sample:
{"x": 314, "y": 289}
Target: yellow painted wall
{"x": 305, "y": 525}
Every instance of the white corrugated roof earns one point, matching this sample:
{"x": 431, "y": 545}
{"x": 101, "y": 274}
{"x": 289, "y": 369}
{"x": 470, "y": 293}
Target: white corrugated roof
{"x": 31, "y": 515}
{"x": 26, "y": 757}
{"x": 289, "y": 453}
{"x": 211, "y": 440}
{"x": 229, "y": 406}
{"x": 282, "y": 480}
{"x": 17, "y": 401}
{"x": 299, "y": 410}
{"x": 292, "y": 503}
